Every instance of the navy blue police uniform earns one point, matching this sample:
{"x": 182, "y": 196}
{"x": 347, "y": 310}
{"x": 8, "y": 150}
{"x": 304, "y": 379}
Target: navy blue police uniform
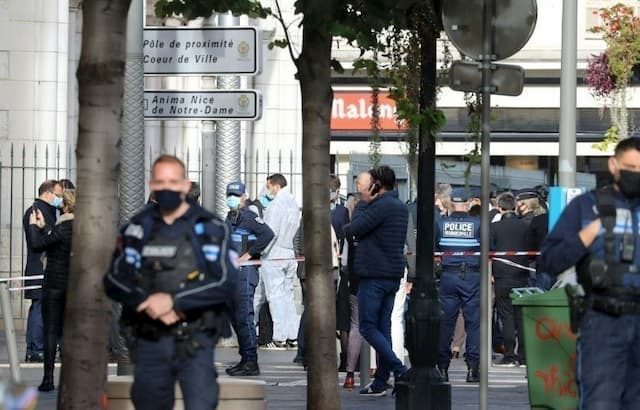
{"x": 459, "y": 284}
{"x": 193, "y": 260}
{"x": 250, "y": 235}
{"x": 608, "y": 362}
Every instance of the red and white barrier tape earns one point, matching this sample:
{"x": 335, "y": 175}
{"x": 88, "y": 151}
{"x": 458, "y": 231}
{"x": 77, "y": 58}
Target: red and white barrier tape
{"x": 492, "y": 255}
{"x": 22, "y": 278}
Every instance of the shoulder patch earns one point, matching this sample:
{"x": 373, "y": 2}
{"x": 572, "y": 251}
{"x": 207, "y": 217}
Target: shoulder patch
{"x": 259, "y": 220}
{"x": 135, "y": 231}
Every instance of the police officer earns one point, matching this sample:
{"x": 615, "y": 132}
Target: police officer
{"x": 250, "y": 236}
{"x": 174, "y": 271}
{"x": 599, "y": 233}
{"x": 459, "y": 283}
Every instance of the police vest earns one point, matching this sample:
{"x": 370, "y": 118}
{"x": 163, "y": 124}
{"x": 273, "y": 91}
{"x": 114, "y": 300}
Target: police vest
{"x": 459, "y": 233}
{"x": 242, "y": 238}
{"x": 615, "y": 274}
{"x": 167, "y": 263}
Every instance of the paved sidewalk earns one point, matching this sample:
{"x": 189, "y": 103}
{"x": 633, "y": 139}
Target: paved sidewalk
{"x": 287, "y": 383}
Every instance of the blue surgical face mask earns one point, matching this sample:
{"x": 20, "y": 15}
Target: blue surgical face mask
{"x": 56, "y": 202}
{"x": 233, "y": 202}
{"x": 265, "y": 200}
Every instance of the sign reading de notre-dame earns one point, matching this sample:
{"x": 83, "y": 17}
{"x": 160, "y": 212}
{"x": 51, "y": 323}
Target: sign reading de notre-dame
{"x": 197, "y": 51}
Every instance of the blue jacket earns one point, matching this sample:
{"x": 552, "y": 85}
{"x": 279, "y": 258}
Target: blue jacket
{"x": 563, "y": 248}
{"x": 380, "y": 228}
{"x": 215, "y": 255}
{"x": 249, "y": 230}
{"x": 458, "y": 232}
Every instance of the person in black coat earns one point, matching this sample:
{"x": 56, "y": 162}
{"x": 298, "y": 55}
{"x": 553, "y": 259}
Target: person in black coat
{"x": 48, "y": 201}
{"x": 56, "y": 241}
{"x": 509, "y": 234}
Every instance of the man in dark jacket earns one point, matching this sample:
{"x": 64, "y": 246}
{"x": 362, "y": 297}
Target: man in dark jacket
{"x": 251, "y": 236}
{"x": 380, "y": 226}
{"x": 48, "y": 202}
{"x": 174, "y": 271}
{"x": 460, "y": 283}
{"x": 509, "y": 234}
{"x": 598, "y": 233}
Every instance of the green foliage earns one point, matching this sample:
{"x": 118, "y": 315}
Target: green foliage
{"x": 191, "y": 9}
{"x": 474, "y": 128}
{"x": 611, "y": 137}
{"x": 279, "y": 43}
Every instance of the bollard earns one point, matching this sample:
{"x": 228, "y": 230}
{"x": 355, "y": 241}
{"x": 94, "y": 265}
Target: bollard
{"x": 10, "y": 332}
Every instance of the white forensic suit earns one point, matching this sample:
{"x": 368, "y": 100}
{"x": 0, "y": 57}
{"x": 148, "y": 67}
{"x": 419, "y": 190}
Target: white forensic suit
{"x": 283, "y": 217}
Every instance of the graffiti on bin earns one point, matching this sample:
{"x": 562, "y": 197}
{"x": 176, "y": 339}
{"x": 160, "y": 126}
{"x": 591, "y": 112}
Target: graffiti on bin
{"x": 548, "y": 328}
{"x": 560, "y": 380}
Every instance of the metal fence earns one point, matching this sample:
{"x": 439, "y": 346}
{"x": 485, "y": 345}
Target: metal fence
{"x": 23, "y": 167}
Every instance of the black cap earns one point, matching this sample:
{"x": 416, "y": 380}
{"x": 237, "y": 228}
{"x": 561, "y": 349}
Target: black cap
{"x": 459, "y": 195}
{"x": 526, "y": 194}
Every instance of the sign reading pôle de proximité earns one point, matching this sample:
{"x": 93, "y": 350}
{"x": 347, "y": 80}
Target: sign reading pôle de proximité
{"x": 211, "y": 50}
{"x": 203, "y": 105}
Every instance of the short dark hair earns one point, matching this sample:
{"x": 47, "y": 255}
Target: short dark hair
{"x": 507, "y": 201}
{"x": 47, "y": 186}
{"x": 169, "y": 159}
{"x": 334, "y": 183}
{"x": 385, "y": 175}
{"x": 626, "y": 145}
{"x": 278, "y": 179}
{"x": 194, "y": 191}
{"x": 66, "y": 184}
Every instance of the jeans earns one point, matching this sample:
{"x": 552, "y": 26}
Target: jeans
{"x": 157, "y": 369}
{"x": 460, "y": 291}
{"x": 375, "y": 304}
{"x": 608, "y": 365}
{"x": 243, "y": 314}
{"x": 35, "y": 328}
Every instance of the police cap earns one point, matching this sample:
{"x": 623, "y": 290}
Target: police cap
{"x": 459, "y": 195}
{"x": 236, "y": 188}
{"x": 526, "y": 194}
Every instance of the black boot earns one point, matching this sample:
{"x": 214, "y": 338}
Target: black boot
{"x": 343, "y": 363}
{"x": 473, "y": 375}
{"x": 235, "y": 368}
{"x": 248, "y": 368}
{"x": 444, "y": 372}
{"x": 47, "y": 382}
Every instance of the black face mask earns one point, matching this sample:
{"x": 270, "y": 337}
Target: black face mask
{"x": 167, "y": 199}
{"x": 629, "y": 183}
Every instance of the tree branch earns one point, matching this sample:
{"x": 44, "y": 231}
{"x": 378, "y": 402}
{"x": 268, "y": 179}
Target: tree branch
{"x": 285, "y": 27}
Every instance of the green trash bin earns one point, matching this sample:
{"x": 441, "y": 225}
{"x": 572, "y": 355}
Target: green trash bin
{"x": 550, "y": 348}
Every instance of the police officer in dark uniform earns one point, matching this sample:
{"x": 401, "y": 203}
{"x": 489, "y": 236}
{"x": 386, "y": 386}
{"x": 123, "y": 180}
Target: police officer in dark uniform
{"x": 250, "y": 236}
{"x": 174, "y": 271}
{"x": 599, "y": 233}
{"x": 460, "y": 283}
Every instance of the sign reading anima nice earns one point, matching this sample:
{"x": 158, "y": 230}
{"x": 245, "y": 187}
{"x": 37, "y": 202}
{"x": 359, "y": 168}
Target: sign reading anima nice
{"x": 352, "y": 111}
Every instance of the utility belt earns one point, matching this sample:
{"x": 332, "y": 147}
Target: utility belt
{"x": 615, "y": 306}
{"x": 209, "y": 321}
{"x": 461, "y": 268}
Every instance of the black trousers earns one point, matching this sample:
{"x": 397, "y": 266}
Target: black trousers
{"x": 53, "y": 305}
{"x": 511, "y": 321}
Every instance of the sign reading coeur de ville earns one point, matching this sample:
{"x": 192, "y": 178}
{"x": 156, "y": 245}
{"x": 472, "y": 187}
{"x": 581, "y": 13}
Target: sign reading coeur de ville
{"x": 203, "y": 105}
{"x": 207, "y": 51}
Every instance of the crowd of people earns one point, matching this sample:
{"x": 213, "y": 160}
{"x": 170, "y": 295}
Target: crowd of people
{"x": 182, "y": 275}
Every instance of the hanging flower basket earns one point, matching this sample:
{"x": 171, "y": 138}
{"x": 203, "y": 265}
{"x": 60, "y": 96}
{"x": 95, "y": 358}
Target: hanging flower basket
{"x": 608, "y": 74}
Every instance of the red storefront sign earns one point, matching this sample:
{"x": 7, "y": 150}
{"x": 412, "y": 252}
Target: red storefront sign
{"x": 352, "y": 111}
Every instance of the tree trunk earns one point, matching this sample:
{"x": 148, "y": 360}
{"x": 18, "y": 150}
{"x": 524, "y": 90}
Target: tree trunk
{"x": 100, "y": 81}
{"x": 314, "y": 72}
